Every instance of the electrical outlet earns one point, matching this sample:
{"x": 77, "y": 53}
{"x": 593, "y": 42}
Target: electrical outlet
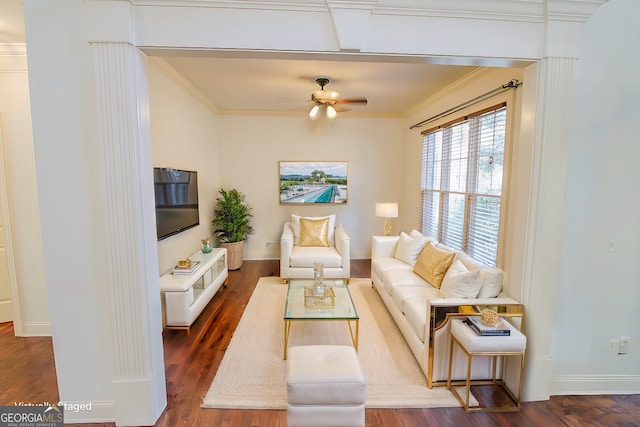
{"x": 268, "y": 244}
{"x": 614, "y": 345}
{"x": 623, "y": 347}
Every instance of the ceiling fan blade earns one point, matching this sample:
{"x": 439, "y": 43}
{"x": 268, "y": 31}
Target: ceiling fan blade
{"x": 353, "y": 101}
{"x": 341, "y": 108}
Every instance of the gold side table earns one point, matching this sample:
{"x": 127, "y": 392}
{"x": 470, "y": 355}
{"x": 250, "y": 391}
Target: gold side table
{"x": 474, "y": 345}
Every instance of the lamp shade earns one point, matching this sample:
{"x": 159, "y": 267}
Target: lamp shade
{"x": 315, "y": 112}
{"x": 387, "y": 210}
{"x": 331, "y": 112}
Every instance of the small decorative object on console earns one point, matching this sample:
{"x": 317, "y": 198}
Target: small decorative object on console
{"x": 186, "y": 266}
{"x": 206, "y": 246}
{"x": 489, "y": 317}
{"x": 184, "y": 263}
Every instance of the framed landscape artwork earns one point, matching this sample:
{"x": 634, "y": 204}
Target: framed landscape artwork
{"x": 313, "y": 182}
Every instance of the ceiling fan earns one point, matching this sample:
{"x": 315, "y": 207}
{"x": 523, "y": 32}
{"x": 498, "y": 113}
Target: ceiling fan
{"x": 328, "y": 100}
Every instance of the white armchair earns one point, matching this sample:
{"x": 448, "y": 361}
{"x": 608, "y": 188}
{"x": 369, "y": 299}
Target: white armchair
{"x": 296, "y": 261}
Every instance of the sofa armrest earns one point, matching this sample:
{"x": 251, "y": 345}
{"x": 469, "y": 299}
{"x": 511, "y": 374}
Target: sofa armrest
{"x": 286, "y": 247}
{"x": 383, "y": 246}
{"x": 343, "y": 244}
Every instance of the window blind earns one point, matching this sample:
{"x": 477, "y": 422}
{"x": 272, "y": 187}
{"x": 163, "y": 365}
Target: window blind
{"x": 462, "y": 174}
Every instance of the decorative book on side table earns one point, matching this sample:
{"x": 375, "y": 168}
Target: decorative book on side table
{"x": 499, "y": 329}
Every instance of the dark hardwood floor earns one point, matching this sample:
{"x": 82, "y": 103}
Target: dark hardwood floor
{"x": 28, "y": 375}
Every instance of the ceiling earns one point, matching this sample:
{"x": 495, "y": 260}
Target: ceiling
{"x": 239, "y": 82}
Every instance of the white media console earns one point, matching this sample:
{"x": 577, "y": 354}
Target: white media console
{"x": 184, "y": 296}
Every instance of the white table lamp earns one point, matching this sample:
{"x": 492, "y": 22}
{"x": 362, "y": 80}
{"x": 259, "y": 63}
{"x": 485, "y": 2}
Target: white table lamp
{"x": 387, "y": 211}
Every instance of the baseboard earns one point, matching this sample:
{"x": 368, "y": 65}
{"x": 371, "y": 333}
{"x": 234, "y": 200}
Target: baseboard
{"x": 89, "y": 412}
{"x": 36, "y": 329}
{"x": 595, "y": 384}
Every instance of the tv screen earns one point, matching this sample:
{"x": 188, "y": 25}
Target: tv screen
{"x": 176, "y": 193}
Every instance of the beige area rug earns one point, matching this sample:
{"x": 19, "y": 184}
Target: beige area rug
{"x": 252, "y": 374}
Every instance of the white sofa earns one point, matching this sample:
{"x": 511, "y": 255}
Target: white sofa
{"x": 423, "y": 312}
{"x": 296, "y": 261}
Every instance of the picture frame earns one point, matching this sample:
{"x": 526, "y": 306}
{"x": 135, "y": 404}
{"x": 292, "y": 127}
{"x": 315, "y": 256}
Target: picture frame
{"x": 313, "y": 182}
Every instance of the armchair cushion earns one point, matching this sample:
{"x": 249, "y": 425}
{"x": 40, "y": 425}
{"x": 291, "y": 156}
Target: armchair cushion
{"x": 307, "y": 256}
{"x": 314, "y": 232}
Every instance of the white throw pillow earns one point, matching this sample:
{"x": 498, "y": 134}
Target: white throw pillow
{"x": 295, "y": 223}
{"x": 410, "y": 246}
{"x": 491, "y": 282}
{"x": 459, "y": 282}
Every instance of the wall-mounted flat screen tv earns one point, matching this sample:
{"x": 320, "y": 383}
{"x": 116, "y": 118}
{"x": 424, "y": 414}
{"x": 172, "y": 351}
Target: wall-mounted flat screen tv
{"x": 176, "y": 193}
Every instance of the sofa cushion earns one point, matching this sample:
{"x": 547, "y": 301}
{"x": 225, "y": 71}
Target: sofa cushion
{"x": 432, "y": 264}
{"x": 415, "y": 311}
{"x": 380, "y": 265}
{"x": 459, "y": 282}
{"x": 314, "y": 232}
{"x": 402, "y": 293}
{"x": 295, "y": 225}
{"x": 410, "y": 246}
{"x": 393, "y": 279}
{"x": 307, "y": 256}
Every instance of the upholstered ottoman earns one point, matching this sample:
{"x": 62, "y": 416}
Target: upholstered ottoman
{"x": 325, "y": 387}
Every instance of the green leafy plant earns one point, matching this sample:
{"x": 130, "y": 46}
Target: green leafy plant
{"x": 232, "y": 217}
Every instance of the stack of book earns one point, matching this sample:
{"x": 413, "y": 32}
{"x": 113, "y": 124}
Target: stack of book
{"x": 186, "y": 270}
{"x": 499, "y": 329}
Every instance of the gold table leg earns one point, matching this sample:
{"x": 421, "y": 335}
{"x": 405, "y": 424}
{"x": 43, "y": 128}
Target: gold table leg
{"x": 287, "y": 329}
{"x": 354, "y": 337}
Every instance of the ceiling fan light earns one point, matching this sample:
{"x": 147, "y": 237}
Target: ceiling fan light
{"x": 315, "y": 112}
{"x": 331, "y": 112}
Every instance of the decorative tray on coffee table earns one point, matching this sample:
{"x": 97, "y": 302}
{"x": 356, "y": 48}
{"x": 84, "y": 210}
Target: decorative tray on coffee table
{"x": 311, "y": 299}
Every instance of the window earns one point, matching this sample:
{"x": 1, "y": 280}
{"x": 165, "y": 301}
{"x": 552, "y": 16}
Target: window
{"x": 462, "y": 173}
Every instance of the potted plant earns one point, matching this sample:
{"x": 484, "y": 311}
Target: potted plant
{"x": 232, "y": 224}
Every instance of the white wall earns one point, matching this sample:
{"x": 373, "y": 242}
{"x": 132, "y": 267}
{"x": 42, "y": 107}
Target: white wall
{"x": 22, "y": 193}
{"x": 251, "y": 147}
{"x": 184, "y": 135}
{"x": 599, "y": 292}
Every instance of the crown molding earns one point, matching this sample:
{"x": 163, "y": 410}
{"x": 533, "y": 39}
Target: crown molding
{"x": 172, "y": 74}
{"x": 507, "y": 10}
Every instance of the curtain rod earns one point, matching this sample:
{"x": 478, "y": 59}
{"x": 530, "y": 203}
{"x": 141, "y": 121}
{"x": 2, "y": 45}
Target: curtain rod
{"x": 513, "y": 84}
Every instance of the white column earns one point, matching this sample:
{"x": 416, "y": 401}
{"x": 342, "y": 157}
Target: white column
{"x": 546, "y": 215}
{"x": 131, "y": 250}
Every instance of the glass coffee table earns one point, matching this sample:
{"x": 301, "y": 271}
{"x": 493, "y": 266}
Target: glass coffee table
{"x": 343, "y": 309}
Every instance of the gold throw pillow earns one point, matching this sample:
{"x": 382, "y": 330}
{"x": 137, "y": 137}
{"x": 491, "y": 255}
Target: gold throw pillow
{"x": 314, "y": 232}
{"x": 432, "y": 264}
